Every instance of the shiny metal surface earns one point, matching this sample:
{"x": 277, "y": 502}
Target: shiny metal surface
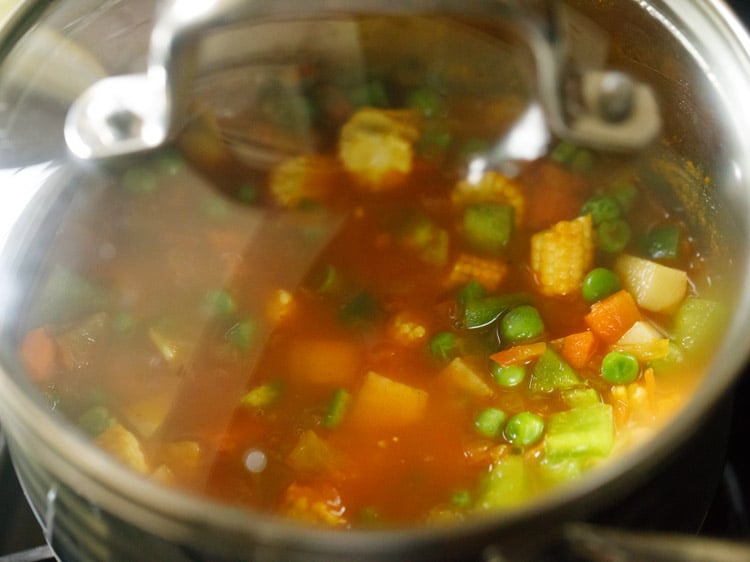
{"x": 122, "y": 115}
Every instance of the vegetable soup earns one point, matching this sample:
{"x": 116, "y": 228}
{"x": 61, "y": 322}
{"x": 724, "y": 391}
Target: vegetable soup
{"x": 387, "y": 330}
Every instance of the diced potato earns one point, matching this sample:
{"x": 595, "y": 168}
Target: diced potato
{"x": 146, "y": 414}
{"x": 656, "y": 287}
{"x": 640, "y": 332}
{"x": 124, "y": 446}
{"x": 185, "y": 455}
{"x": 406, "y": 330}
{"x": 311, "y": 453}
{"x": 491, "y": 188}
{"x": 300, "y": 179}
{"x": 324, "y": 361}
{"x": 488, "y": 272}
{"x": 562, "y": 255}
{"x": 376, "y": 146}
{"x": 644, "y": 341}
{"x": 383, "y": 403}
{"x": 461, "y": 376}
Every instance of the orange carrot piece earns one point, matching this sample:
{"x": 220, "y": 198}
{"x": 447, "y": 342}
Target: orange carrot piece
{"x": 38, "y": 353}
{"x": 578, "y": 349}
{"x": 610, "y": 318}
{"x": 519, "y": 354}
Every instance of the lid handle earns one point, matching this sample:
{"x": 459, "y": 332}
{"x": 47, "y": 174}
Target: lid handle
{"x": 127, "y": 114}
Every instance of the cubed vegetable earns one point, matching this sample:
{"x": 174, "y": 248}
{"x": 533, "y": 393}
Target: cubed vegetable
{"x": 311, "y": 453}
{"x": 612, "y": 317}
{"x": 662, "y": 242}
{"x": 551, "y": 373}
{"x": 578, "y": 349}
{"x": 507, "y": 484}
{"x": 492, "y": 188}
{"x": 656, "y": 287}
{"x": 487, "y": 227}
{"x": 386, "y": 404}
{"x": 698, "y": 323}
{"x": 324, "y": 361}
{"x": 585, "y": 432}
{"x": 466, "y": 379}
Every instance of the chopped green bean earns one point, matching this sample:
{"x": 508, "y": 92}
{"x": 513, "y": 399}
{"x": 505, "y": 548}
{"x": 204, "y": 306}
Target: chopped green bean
{"x": 337, "y": 408}
{"x": 662, "y": 242}
{"x": 262, "y": 395}
{"x": 488, "y": 227}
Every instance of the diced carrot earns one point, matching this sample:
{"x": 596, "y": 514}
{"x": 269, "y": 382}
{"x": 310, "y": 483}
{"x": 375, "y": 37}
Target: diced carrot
{"x": 38, "y": 353}
{"x": 519, "y": 354}
{"x": 611, "y": 317}
{"x": 324, "y": 362}
{"x": 382, "y": 403}
{"x": 578, "y": 349}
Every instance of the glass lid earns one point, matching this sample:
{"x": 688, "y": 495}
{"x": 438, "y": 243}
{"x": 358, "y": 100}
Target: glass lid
{"x": 355, "y": 265}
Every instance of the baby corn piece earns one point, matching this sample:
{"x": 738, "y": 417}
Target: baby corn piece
{"x": 489, "y": 273}
{"x": 300, "y": 179}
{"x": 406, "y": 330}
{"x": 491, "y": 188}
{"x": 562, "y": 255}
{"x": 376, "y": 146}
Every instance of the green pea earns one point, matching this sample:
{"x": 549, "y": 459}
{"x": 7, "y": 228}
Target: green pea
{"x": 524, "y": 429}
{"x": 490, "y": 421}
{"x": 443, "y": 346}
{"x": 428, "y": 102}
{"x": 599, "y": 283}
{"x": 461, "y": 498}
{"x": 602, "y": 208}
{"x": 619, "y": 367}
{"x": 221, "y": 302}
{"x": 510, "y": 376}
{"x": 521, "y": 323}
{"x": 613, "y": 236}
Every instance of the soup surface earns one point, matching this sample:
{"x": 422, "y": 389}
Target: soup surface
{"x": 386, "y": 330}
